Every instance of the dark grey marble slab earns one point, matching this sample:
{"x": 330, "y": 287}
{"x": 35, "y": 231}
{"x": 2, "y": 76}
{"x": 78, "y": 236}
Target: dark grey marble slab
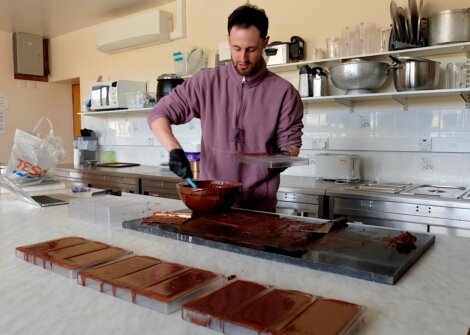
{"x": 358, "y": 251}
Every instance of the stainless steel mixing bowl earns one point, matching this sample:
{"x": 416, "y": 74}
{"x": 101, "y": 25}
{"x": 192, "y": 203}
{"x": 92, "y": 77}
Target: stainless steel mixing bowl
{"x": 358, "y": 76}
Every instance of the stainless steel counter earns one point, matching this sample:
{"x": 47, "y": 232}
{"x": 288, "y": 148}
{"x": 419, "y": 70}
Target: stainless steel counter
{"x": 403, "y": 211}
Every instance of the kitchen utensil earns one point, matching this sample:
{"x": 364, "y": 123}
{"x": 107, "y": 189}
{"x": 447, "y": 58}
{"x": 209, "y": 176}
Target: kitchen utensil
{"x": 210, "y": 195}
{"x": 393, "y": 14}
{"x": 401, "y": 24}
{"x": 333, "y": 47}
{"x": 348, "y": 41}
{"x": 190, "y": 182}
{"x": 195, "y": 61}
{"x": 106, "y": 192}
{"x": 318, "y": 54}
{"x": 358, "y": 76}
{"x": 413, "y": 74}
{"x": 166, "y": 83}
{"x": 365, "y": 38}
{"x": 271, "y": 161}
{"x": 117, "y": 164}
{"x": 136, "y": 99}
{"x": 420, "y": 16}
{"x": 413, "y": 10}
{"x": 449, "y": 26}
{"x": 383, "y": 39}
{"x": 408, "y": 26}
{"x": 325, "y": 227}
{"x": 456, "y": 74}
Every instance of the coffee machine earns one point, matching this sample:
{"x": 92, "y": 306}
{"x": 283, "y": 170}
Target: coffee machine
{"x": 85, "y": 148}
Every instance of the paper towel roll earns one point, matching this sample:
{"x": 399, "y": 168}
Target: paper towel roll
{"x": 76, "y": 157}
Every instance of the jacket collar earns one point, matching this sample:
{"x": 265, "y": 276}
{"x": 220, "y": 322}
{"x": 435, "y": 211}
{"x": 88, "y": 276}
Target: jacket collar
{"x": 252, "y": 80}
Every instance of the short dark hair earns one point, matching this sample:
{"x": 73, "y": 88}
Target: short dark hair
{"x": 249, "y": 15}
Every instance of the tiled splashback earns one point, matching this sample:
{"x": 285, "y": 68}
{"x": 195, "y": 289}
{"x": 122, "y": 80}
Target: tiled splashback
{"x": 388, "y": 139}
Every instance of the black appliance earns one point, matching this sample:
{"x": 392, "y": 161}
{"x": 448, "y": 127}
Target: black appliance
{"x": 297, "y": 48}
{"x": 167, "y": 82}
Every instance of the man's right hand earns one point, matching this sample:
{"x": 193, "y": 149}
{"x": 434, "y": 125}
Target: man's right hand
{"x": 179, "y": 164}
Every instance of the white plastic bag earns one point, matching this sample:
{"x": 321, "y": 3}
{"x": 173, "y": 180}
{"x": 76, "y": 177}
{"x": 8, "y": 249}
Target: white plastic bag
{"x": 33, "y": 157}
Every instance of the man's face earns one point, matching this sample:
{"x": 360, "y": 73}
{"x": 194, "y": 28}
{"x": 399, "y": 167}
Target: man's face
{"x": 246, "y": 49}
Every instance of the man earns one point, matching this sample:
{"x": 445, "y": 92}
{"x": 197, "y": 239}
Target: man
{"x": 243, "y": 108}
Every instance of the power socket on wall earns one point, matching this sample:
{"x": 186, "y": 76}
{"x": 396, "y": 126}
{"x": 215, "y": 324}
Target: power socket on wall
{"x": 319, "y": 143}
{"x": 424, "y": 144}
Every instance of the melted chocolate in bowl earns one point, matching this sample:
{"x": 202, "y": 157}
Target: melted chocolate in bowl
{"x": 210, "y": 195}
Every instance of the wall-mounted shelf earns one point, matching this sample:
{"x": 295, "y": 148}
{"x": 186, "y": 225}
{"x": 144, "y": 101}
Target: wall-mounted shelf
{"x": 434, "y": 50}
{"x": 118, "y": 111}
{"x": 400, "y": 97}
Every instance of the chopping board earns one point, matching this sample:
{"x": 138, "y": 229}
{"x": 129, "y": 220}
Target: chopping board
{"x": 117, "y": 164}
{"x": 354, "y": 250}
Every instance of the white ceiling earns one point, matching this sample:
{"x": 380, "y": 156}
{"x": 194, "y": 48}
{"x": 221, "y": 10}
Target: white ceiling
{"x": 51, "y": 18}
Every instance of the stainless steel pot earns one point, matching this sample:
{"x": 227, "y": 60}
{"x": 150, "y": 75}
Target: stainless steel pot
{"x": 414, "y": 74}
{"x": 358, "y": 76}
{"x": 449, "y": 26}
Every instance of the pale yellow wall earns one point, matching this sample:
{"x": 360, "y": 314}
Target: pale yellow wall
{"x": 75, "y": 54}
{"x": 27, "y": 105}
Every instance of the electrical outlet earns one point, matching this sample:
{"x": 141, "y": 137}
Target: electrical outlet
{"x": 319, "y": 143}
{"x": 424, "y": 144}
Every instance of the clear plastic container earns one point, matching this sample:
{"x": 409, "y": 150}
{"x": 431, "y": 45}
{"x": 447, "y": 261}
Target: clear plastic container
{"x": 179, "y": 59}
{"x": 108, "y": 209}
{"x": 137, "y": 100}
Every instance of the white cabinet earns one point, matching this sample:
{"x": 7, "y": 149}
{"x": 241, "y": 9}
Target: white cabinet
{"x": 401, "y": 97}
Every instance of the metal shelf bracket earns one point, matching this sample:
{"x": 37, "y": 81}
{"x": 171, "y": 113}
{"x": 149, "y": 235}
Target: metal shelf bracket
{"x": 466, "y": 97}
{"x": 347, "y": 103}
{"x": 401, "y": 100}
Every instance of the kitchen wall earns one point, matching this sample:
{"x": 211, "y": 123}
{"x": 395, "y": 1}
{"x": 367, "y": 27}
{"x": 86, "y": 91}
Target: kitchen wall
{"x": 28, "y": 101}
{"x": 381, "y": 132}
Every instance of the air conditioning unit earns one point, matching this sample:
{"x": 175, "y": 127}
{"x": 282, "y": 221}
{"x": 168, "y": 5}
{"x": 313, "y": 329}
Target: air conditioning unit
{"x": 149, "y": 27}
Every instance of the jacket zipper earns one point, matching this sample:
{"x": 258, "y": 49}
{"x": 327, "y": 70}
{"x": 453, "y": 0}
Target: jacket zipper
{"x": 240, "y": 108}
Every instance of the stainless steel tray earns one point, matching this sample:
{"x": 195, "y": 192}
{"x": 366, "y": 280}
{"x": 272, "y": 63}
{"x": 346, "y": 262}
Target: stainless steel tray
{"x": 272, "y": 161}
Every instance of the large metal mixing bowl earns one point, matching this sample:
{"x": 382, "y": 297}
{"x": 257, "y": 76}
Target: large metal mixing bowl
{"x": 358, "y": 76}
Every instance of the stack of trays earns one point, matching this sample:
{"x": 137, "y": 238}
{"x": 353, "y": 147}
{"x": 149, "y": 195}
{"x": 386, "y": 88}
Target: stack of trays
{"x": 150, "y": 282}
{"x": 242, "y": 307}
{"x": 69, "y": 255}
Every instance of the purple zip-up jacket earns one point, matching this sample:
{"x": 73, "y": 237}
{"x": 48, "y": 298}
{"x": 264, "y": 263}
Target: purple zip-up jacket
{"x": 265, "y": 106}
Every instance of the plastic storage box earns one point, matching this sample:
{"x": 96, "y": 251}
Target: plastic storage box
{"x": 108, "y": 209}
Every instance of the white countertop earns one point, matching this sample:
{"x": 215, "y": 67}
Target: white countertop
{"x": 433, "y": 297}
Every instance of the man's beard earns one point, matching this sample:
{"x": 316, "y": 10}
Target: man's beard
{"x": 250, "y": 70}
